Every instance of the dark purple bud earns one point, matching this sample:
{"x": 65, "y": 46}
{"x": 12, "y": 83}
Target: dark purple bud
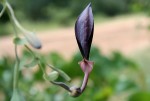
{"x": 84, "y": 28}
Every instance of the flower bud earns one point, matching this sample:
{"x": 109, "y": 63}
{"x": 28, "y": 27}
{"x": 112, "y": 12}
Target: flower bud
{"x": 51, "y": 76}
{"x": 84, "y": 28}
{"x": 33, "y": 40}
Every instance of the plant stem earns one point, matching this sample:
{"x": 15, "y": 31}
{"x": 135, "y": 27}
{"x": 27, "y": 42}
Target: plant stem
{"x": 61, "y": 84}
{"x": 16, "y": 70}
{"x": 12, "y": 22}
{"x": 17, "y": 64}
{"x": 15, "y": 19}
{"x": 3, "y": 10}
{"x": 41, "y": 67}
{"x": 39, "y": 64}
{"x": 85, "y": 80}
{"x": 31, "y": 51}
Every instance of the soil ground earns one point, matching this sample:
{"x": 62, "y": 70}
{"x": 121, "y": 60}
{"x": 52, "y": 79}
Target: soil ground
{"x": 127, "y": 35}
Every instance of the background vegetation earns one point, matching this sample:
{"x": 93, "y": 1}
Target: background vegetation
{"x": 63, "y": 12}
{"x": 113, "y": 74}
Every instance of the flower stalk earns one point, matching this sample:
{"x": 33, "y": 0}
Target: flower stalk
{"x": 3, "y": 10}
{"x": 16, "y": 70}
{"x": 30, "y": 36}
{"x": 84, "y": 28}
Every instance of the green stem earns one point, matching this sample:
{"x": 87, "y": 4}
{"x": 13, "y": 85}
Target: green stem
{"x": 31, "y": 51}
{"x": 12, "y": 22}
{"x": 17, "y": 64}
{"x": 15, "y": 21}
{"x": 41, "y": 67}
{"x": 39, "y": 64}
{"x": 16, "y": 70}
{"x": 3, "y": 10}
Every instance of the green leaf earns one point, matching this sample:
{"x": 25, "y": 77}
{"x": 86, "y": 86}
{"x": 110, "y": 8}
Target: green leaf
{"x": 51, "y": 76}
{"x": 33, "y": 40}
{"x": 33, "y": 63}
{"x": 62, "y": 73}
{"x": 19, "y": 41}
{"x": 17, "y": 96}
{"x": 103, "y": 93}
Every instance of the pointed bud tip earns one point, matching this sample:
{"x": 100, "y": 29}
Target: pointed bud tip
{"x": 84, "y": 28}
{"x": 89, "y": 4}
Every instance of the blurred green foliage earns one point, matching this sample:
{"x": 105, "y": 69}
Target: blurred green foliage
{"x": 140, "y": 96}
{"x": 37, "y": 9}
{"x": 111, "y": 75}
{"x": 65, "y": 11}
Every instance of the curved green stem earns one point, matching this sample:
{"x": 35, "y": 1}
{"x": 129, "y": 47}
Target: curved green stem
{"x": 16, "y": 70}
{"x": 34, "y": 55}
{"x": 12, "y": 22}
{"x": 31, "y": 38}
{"x": 15, "y": 19}
{"x": 3, "y": 10}
{"x": 30, "y": 51}
{"x": 42, "y": 69}
{"x": 17, "y": 64}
